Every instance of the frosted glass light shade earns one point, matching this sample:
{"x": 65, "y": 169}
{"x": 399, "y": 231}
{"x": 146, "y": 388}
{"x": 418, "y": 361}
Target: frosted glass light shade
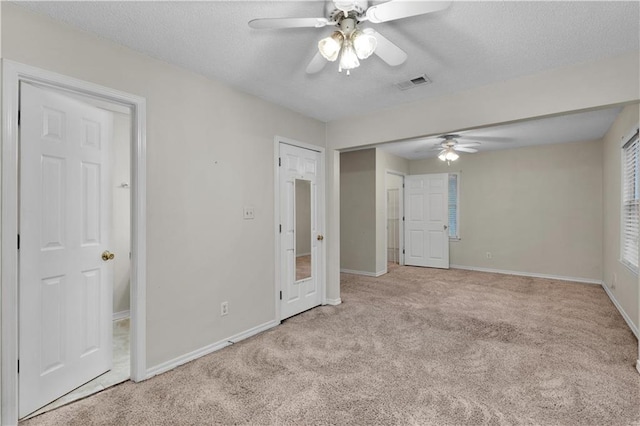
{"x": 364, "y": 44}
{"x": 348, "y": 59}
{"x": 452, "y": 155}
{"x": 329, "y": 47}
{"x": 448, "y": 155}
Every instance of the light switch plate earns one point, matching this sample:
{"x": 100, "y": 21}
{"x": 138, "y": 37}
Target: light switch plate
{"x": 248, "y": 213}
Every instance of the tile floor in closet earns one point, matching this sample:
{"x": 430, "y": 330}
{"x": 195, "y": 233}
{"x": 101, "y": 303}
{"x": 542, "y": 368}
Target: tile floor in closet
{"x": 118, "y": 374}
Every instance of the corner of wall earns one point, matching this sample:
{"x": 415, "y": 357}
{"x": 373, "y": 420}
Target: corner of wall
{"x": 619, "y": 282}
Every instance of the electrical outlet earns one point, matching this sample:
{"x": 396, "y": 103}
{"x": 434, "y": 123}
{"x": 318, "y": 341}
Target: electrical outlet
{"x": 248, "y": 213}
{"x": 489, "y": 255}
{"x": 224, "y": 309}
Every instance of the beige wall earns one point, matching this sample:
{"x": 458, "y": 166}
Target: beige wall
{"x": 363, "y": 214}
{"x": 536, "y": 209}
{"x": 572, "y": 88}
{"x": 621, "y": 282}
{"x": 332, "y": 240}
{"x": 121, "y": 215}
{"x": 384, "y": 163}
{"x": 210, "y": 152}
{"x": 358, "y": 211}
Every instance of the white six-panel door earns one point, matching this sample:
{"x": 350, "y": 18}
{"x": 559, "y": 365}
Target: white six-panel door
{"x": 299, "y": 164}
{"x": 65, "y": 302}
{"x": 427, "y": 220}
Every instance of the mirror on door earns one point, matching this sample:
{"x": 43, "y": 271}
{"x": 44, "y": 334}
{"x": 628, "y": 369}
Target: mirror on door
{"x": 303, "y": 229}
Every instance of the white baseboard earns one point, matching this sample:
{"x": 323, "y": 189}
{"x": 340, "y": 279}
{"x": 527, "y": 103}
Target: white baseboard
{"x": 121, "y": 315}
{"x": 183, "y": 359}
{"x": 365, "y": 273}
{"x": 303, "y": 254}
{"x": 529, "y": 274}
{"x": 334, "y": 302}
{"x": 630, "y": 323}
{"x": 638, "y": 365}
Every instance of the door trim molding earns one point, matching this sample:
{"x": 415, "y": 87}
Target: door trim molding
{"x": 386, "y": 216}
{"x": 12, "y": 74}
{"x": 277, "y": 140}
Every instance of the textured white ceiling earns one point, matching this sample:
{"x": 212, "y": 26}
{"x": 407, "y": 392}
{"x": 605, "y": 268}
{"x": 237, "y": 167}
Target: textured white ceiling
{"x": 584, "y": 126}
{"x": 468, "y": 45}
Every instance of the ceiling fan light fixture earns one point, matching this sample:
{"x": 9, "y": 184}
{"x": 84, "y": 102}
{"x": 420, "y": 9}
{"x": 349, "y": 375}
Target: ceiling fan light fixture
{"x": 345, "y": 6}
{"x": 348, "y": 58}
{"x": 448, "y": 155}
{"x": 329, "y": 47}
{"x": 364, "y": 43}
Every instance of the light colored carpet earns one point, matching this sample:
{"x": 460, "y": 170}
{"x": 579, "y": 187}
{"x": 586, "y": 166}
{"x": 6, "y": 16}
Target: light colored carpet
{"x": 415, "y": 346}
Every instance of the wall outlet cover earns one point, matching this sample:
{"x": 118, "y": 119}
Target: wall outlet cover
{"x": 248, "y": 213}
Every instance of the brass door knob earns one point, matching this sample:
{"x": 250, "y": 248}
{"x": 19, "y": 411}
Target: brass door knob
{"x": 320, "y": 237}
{"x": 107, "y": 255}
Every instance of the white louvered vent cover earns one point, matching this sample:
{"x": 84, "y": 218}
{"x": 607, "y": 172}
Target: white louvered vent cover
{"x": 630, "y": 201}
{"x": 421, "y": 80}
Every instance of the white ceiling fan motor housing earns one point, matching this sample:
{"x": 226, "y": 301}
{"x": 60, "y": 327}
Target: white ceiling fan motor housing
{"x": 334, "y": 10}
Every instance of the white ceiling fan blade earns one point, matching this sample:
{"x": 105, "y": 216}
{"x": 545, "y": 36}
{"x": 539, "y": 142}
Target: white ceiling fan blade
{"x": 278, "y": 23}
{"x": 388, "y": 51}
{"x": 467, "y": 145}
{"x": 398, "y": 9}
{"x": 458, "y": 148}
{"x": 317, "y": 64}
{"x": 497, "y": 139}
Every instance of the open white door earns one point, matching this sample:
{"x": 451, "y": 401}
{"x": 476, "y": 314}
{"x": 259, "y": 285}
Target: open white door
{"x": 300, "y": 233}
{"x": 65, "y": 303}
{"x": 427, "y": 220}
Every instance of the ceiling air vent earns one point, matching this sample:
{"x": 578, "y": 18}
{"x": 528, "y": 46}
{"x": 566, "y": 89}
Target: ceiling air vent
{"x": 422, "y": 80}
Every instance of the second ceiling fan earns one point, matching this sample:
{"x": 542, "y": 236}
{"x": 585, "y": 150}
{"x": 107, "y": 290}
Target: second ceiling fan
{"x": 349, "y": 42}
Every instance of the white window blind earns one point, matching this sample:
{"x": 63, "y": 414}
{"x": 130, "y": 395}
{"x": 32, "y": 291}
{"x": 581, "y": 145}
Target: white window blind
{"x": 630, "y": 201}
{"x": 453, "y": 205}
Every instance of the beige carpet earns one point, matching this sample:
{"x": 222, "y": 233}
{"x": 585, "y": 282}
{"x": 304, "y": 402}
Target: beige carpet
{"x": 416, "y": 346}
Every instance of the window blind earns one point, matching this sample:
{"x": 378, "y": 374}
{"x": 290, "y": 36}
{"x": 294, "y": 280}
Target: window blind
{"x": 453, "y": 205}
{"x": 630, "y": 201}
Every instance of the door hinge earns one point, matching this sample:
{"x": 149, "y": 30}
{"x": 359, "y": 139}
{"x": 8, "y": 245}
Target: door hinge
{"x": 281, "y": 229}
{"x": 18, "y": 241}
{"x": 18, "y": 366}
{"x": 18, "y": 117}
{"x": 403, "y": 218}
{"x": 279, "y": 161}
{"x": 402, "y": 251}
{"x": 280, "y": 295}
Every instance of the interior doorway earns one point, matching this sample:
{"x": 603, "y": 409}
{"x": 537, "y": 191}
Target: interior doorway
{"x": 300, "y": 252}
{"x": 301, "y": 236}
{"x": 58, "y": 199}
{"x": 427, "y": 220}
{"x": 74, "y": 268}
{"x": 394, "y": 183}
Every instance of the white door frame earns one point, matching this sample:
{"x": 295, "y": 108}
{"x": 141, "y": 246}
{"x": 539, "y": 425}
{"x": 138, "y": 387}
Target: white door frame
{"x": 386, "y": 214}
{"x": 12, "y": 74}
{"x": 276, "y": 217}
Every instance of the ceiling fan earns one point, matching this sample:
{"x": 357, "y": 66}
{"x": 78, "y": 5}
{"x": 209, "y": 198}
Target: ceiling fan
{"x": 349, "y": 42}
{"x": 450, "y": 145}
